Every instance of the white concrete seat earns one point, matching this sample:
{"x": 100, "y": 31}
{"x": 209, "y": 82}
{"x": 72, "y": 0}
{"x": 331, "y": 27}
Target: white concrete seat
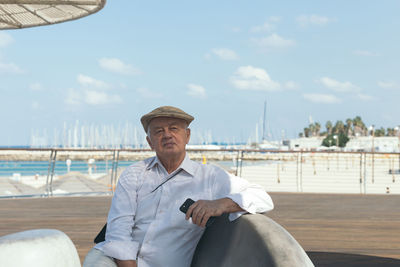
{"x": 40, "y": 247}
{"x": 251, "y": 240}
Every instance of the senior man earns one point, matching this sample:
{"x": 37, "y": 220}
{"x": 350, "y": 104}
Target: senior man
{"x": 145, "y": 226}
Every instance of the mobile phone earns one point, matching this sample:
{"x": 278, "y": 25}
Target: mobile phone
{"x": 185, "y": 206}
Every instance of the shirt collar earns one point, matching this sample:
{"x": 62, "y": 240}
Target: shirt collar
{"x": 187, "y": 164}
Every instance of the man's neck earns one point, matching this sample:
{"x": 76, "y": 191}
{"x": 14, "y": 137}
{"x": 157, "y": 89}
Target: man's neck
{"x": 171, "y": 163}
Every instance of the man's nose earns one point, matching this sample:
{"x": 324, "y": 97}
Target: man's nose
{"x": 167, "y": 133}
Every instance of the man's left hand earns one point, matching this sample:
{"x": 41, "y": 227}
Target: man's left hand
{"x": 202, "y": 210}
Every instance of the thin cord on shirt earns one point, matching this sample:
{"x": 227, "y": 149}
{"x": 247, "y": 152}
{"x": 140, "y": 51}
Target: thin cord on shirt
{"x": 166, "y": 180}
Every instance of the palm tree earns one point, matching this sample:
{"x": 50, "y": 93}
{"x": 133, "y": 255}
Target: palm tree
{"x": 349, "y": 126}
{"x": 328, "y": 126}
{"x": 317, "y": 128}
{"x": 307, "y": 132}
{"x": 339, "y": 127}
{"x": 359, "y": 126}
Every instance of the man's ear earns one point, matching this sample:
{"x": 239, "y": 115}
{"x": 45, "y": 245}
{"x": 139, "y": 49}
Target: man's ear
{"x": 149, "y": 142}
{"x": 187, "y": 135}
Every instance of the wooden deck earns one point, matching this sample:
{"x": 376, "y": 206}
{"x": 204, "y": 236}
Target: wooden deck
{"x": 335, "y": 230}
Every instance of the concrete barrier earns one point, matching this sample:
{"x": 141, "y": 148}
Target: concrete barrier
{"x": 251, "y": 240}
{"x": 41, "y": 247}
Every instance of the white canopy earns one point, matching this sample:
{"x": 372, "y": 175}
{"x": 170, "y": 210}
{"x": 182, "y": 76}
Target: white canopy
{"x": 16, "y": 14}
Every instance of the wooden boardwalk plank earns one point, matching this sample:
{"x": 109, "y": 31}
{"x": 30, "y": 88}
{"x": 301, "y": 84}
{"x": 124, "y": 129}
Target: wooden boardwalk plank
{"x": 335, "y": 229}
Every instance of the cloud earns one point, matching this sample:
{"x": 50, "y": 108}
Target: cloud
{"x": 388, "y": 85}
{"x": 87, "y": 81}
{"x": 364, "y": 97}
{"x": 291, "y": 85}
{"x": 339, "y": 86}
{"x": 251, "y": 78}
{"x": 73, "y": 97}
{"x": 196, "y": 90}
{"x": 10, "y": 68}
{"x": 268, "y": 26}
{"x": 5, "y": 39}
{"x": 273, "y": 41}
{"x": 305, "y": 20}
{"x": 35, "y": 105}
{"x": 147, "y": 93}
{"x": 93, "y": 97}
{"x": 36, "y": 87}
{"x": 118, "y": 66}
{"x": 365, "y": 53}
{"x": 322, "y": 98}
{"x": 225, "y": 53}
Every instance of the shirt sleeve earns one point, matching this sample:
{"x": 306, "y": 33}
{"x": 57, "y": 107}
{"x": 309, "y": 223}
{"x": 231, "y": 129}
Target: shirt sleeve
{"x": 118, "y": 241}
{"x": 250, "y": 197}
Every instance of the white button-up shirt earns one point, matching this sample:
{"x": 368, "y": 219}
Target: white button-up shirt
{"x": 149, "y": 227}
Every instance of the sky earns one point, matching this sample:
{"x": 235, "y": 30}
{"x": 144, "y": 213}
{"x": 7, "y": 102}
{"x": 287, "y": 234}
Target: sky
{"x": 217, "y": 60}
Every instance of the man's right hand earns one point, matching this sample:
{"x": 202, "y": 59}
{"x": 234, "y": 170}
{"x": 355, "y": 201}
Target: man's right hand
{"x": 128, "y": 263}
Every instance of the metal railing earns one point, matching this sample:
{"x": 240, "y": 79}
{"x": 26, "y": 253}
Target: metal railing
{"x": 62, "y": 172}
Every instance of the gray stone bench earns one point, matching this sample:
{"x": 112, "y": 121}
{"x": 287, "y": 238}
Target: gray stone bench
{"x": 250, "y": 241}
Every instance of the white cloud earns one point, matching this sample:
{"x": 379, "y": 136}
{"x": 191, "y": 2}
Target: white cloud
{"x": 339, "y": 86}
{"x": 322, "y": 98}
{"x": 91, "y": 82}
{"x": 73, "y": 97}
{"x": 291, "y": 85}
{"x": 268, "y": 26}
{"x": 225, "y": 53}
{"x": 364, "y": 97}
{"x": 273, "y": 41}
{"x": 365, "y": 53}
{"x": 35, "y": 105}
{"x": 93, "y": 97}
{"x": 147, "y": 93}
{"x": 118, "y": 66}
{"x": 5, "y": 39}
{"x": 388, "y": 85}
{"x": 251, "y": 78}
{"x": 196, "y": 90}
{"x": 305, "y": 20}
{"x": 10, "y": 68}
{"x": 236, "y": 29}
{"x": 36, "y": 87}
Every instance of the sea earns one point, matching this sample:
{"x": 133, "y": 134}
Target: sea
{"x": 32, "y": 168}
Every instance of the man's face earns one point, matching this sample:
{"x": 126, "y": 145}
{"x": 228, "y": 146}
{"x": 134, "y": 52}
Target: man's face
{"x": 168, "y": 136}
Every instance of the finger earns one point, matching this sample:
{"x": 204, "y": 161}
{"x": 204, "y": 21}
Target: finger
{"x": 200, "y": 217}
{"x": 197, "y": 214}
{"x": 204, "y": 220}
{"x": 189, "y": 212}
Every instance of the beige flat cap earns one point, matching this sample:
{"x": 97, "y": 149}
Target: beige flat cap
{"x": 165, "y": 111}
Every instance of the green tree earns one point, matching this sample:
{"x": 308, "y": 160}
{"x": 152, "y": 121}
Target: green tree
{"x": 307, "y": 132}
{"x": 339, "y": 127}
{"x": 380, "y": 132}
{"x": 328, "y": 126}
{"x": 317, "y": 129}
{"x": 349, "y": 127}
{"x": 359, "y": 126}
{"x": 331, "y": 141}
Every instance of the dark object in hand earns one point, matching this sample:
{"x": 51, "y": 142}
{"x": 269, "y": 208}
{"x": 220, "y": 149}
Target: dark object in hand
{"x": 185, "y": 206}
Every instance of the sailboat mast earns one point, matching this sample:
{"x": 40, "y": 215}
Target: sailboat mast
{"x": 265, "y": 114}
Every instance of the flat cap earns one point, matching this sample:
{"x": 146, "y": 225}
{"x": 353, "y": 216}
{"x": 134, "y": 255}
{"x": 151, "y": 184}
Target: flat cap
{"x": 165, "y": 111}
